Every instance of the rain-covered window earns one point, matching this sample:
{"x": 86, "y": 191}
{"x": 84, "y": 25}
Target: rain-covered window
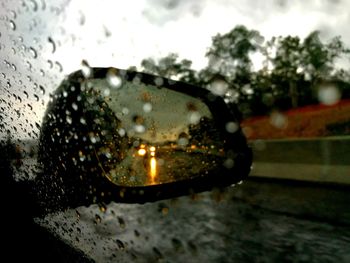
{"x": 101, "y": 101}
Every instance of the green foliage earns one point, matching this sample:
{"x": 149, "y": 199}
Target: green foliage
{"x": 170, "y": 67}
{"x": 293, "y": 69}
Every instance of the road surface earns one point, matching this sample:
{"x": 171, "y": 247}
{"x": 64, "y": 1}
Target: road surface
{"x": 258, "y": 221}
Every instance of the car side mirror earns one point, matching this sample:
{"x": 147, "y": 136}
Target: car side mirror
{"x": 124, "y": 136}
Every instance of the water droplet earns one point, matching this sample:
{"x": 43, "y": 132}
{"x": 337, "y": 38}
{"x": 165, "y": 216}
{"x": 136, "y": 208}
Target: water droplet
{"x": 74, "y": 106}
{"x": 182, "y": 142}
{"x": 33, "y": 52}
{"x": 81, "y": 18}
{"x": 177, "y": 244}
{"x": 113, "y": 79}
{"x": 50, "y": 64}
{"x": 102, "y": 207}
{"x": 137, "y": 233}
{"x": 59, "y": 66}
{"x": 13, "y": 66}
{"x": 34, "y": 5}
{"x": 328, "y": 94}
{"x": 42, "y": 90}
{"x": 98, "y": 219}
{"x": 42, "y": 73}
{"x": 121, "y": 132}
{"x": 278, "y": 120}
{"x": 219, "y": 87}
{"x": 192, "y": 247}
{"x": 82, "y": 156}
{"x": 147, "y": 107}
{"x": 139, "y": 128}
{"x": 36, "y": 97}
{"x": 120, "y": 244}
{"x": 247, "y": 90}
{"x": 29, "y": 65}
{"x": 159, "y": 81}
{"x": 82, "y": 121}
{"x": 229, "y": 163}
{"x": 86, "y": 69}
{"x": 121, "y": 222}
{"x": 53, "y": 44}
{"x": 259, "y": 145}
{"x": 13, "y": 14}
{"x": 231, "y": 127}
{"x": 106, "y": 92}
{"x": 125, "y": 111}
{"x": 26, "y": 93}
{"x": 158, "y": 253}
{"x": 12, "y": 25}
{"x": 78, "y": 214}
{"x": 164, "y": 209}
{"x": 194, "y": 117}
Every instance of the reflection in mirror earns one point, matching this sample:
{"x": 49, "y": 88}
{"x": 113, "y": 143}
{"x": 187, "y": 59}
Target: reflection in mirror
{"x": 163, "y": 135}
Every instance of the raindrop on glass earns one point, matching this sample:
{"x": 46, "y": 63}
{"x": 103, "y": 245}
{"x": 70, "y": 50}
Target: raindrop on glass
{"x": 33, "y": 52}
{"x": 12, "y": 25}
{"x": 106, "y": 92}
{"x": 120, "y": 244}
{"x": 177, "y": 244}
{"x": 59, "y": 66}
{"x": 278, "y": 120}
{"x": 194, "y": 117}
{"x": 219, "y": 87}
{"x": 53, "y": 44}
{"x": 81, "y": 18}
{"x": 13, "y": 14}
{"x": 42, "y": 90}
{"x": 34, "y": 5}
{"x": 29, "y": 65}
{"x": 98, "y": 219}
{"x": 139, "y": 128}
{"x": 86, "y": 69}
{"x": 328, "y": 94}
{"x": 74, "y": 106}
{"x": 122, "y": 132}
{"x": 113, "y": 79}
{"x": 159, "y": 81}
{"x": 50, "y": 64}
{"x": 147, "y": 107}
{"x": 121, "y": 222}
{"x": 231, "y": 127}
{"x": 229, "y": 163}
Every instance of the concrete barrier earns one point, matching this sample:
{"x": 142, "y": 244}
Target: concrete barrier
{"x": 325, "y": 160}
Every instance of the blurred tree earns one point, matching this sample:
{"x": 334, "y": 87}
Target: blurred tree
{"x": 229, "y": 71}
{"x": 299, "y": 66}
{"x": 292, "y": 69}
{"x": 230, "y": 53}
{"x": 170, "y": 67}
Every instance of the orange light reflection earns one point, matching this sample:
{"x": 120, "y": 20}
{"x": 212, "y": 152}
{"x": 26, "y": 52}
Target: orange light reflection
{"x": 153, "y": 168}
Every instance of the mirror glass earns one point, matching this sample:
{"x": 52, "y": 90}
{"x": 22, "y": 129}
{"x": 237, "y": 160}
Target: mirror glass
{"x": 157, "y": 135}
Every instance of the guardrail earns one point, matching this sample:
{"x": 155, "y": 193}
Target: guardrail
{"x": 325, "y": 160}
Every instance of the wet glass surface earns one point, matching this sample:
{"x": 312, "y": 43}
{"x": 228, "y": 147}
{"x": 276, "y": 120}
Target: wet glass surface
{"x": 286, "y": 66}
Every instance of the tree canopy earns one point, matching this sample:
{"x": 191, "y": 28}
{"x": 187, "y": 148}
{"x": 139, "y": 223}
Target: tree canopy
{"x": 292, "y": 74}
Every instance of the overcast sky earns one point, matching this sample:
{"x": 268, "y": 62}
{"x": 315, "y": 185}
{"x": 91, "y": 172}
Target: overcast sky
{"x": 139, "y": 29}
{"x": 55, "y": 36}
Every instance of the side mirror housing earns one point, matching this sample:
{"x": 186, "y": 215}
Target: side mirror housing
{"x": 126, "y": 136}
